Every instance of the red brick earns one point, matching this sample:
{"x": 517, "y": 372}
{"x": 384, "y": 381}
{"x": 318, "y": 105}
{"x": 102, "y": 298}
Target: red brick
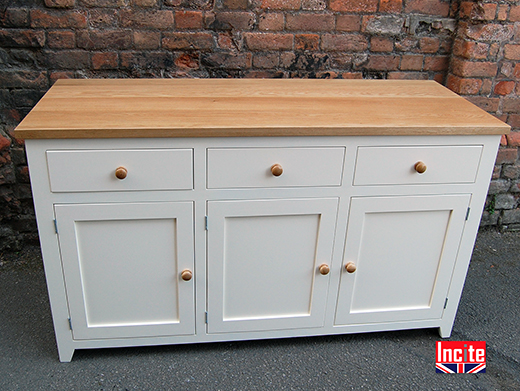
{"x": 280, "y": 4}
{"x": 60, "y": 75}
{"x": 271, "y": 21}
{"x": 23, "y": 79}
{"x": 58, "y": 19}
{"x": 516, "y": 71}
{"x": 407, "y": 76}
{"x": 511, "y": 105}
{"x": 504, "y": 87}
{"x": 352, "y": 75}
{"x": 507, "y": 155}
{"x": 349, "y": 23}
{"x": 104, "y": 3}
{"x": 353, "y": 6}
{"x": 225, "y": 41}
{"x": 12, "y": 38}
{"x": 103, "y": 39}
{"x": 144, "y": 3}
{"x": 513, "y": 139}
{"x": 514, "y": 120}
{"x": 231, "y": 60}
{"x": 429, "y": 7}
{"x": 156, "y": 19}
{"x": 474, "y": 69}
{"x": 383, "y": 63}
{"x": 344, "y": 43}
{"x": 100, "y": 18}
{"x": 105, "y": 60}
{"x": 464, "y": 86}
{"x": 471, "y": 50}
{"x": 60, "y": 3}
{"x": 503, "y": 142}
{"x": 437, "y": 63}
{"x": 406, "y": 44}
{"x": 411, "y": 62}
{"x": 266, "y": 60}
{"x": 502, "y": 12}
{"x": 514, "y": 14}
{"x": 201, "y": 40}
{"x": 61, "y": 39}
{"x": 146, "y": 60}
{"x": 391, "y": 6}
{"x": 14, "y": 17}
{"x": 381, "y": 44}
{"x": 269, "y": 41}
{"x": 314, "y": 5}
{"x": 487, "y": 87}
{"x": 233, "y": 20}
{"x": 309, "y": 22}
{"x": 489, "y": 32}
{"x": 429, "y": 45}
{"x": 147, "y": 39}
{"x": 512, "y": 52}
{"x": 5, "y": 143}
{"x": 235, "y": 4}
{"x": 306, "y": 42}
{"x": 188, "y": 19}
{"x": 187, "y": 60}
{"x": 488, "y": 104}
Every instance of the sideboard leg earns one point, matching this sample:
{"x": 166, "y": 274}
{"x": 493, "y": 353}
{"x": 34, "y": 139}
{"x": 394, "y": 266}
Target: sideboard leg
{"x": 445, "y": 331}
{"x": 65, "y": 354}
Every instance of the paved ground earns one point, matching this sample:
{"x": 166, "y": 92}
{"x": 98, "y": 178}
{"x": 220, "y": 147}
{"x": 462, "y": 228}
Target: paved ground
{"x": 490, "y": 311}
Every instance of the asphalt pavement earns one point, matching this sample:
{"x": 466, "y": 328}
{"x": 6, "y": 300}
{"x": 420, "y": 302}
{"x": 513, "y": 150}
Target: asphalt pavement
{"x": 404, "y": 360}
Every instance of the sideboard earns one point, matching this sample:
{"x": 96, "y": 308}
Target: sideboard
{"x": 200, "y": 210}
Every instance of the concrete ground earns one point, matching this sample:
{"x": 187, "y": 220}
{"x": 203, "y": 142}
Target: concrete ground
{"x": 404, "y": 360}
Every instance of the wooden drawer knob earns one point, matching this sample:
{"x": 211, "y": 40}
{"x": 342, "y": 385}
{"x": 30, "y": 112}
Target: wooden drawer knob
{"x": 121, "y": 173}
{"x": 324, "y": 269}
{"x": 420, "y": 167}
{"x": 276, "y": 169}
{"x": 350, "y": 267}
{"x": 186, "y": 274}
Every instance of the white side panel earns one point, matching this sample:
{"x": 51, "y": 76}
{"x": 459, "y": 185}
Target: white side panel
{"x": 263, "y": 260}
{"x": 122, "y": 265}
{"x": 404, "y": 249}
{"x": 251, "y": 167}
{"x": 395, "y": 165}
{"x": 94, "y": 170}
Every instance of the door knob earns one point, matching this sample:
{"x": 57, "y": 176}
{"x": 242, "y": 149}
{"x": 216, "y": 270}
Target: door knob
{"x": 121, "y": 172}
{"x": 276, "y": 169}
{"x": 420, "y": 167}
{"x": 350, "y": 267}
{"x": 324, "y": 269}
{"x": 186, "y": 274}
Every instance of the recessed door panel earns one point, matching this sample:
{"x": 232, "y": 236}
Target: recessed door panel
{"x": 122, "y": 265}
{"x": 404, "y": 250}
{"x": 263, "y": 263}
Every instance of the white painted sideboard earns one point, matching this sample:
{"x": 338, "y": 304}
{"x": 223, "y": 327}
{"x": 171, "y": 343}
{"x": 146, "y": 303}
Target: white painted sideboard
{"x": 183, "y": 211}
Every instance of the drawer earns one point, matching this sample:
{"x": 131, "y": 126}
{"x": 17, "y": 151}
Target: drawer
{"x": 253, "y": 167}
{"x": 397, "y": 165}
{"x": 146, "y": 169}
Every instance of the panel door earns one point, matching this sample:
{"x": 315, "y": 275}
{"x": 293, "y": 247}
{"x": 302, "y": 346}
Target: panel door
{"x": 264, "y": 259}
{"x": 122, "y": 265}
{"x": 404, "y": 250}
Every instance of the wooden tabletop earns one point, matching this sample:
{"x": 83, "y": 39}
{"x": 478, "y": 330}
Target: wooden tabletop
{"x": 115, "y": 108}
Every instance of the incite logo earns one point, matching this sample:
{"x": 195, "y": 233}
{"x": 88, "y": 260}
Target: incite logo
{"x": 460, "y": 357}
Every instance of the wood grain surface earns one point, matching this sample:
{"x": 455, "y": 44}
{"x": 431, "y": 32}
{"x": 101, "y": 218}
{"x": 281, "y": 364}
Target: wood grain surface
{"x": 116, "y": 108}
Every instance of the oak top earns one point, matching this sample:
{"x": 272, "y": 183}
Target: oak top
{"x": 116, "y": 108}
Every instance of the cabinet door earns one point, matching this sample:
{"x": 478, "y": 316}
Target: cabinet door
{"x": 122, "y": 266}
{"x": 404, "y": 249}
{"x": 263, "y": 263}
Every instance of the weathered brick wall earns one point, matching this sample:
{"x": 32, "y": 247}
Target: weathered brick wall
{"x": 43, "y": 40}
{"x": 485, "y": 69}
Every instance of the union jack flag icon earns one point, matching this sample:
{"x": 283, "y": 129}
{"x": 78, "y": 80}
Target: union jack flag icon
{"x": 460, "y": 368}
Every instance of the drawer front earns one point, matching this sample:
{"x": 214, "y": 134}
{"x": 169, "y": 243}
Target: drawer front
{"x": 95, "y": 170}
{"x": 397, "y": 165}
{"x": 253, "y": 167}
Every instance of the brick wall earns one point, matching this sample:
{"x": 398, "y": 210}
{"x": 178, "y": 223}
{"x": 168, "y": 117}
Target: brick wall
{"x": 471, "y": 46}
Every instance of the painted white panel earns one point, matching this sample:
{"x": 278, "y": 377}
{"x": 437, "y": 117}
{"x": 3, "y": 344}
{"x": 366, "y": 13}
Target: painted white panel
{"x": 395, "y": 165}
{"x": 404, "y": 249}
{"x": 251, "y": 167}
{"x": 122, "y": 265}
{"x": 94, "y": 170}
{"x": 263, "y": 260}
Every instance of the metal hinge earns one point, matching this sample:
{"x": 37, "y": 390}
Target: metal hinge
{"x": 467, "y": 214}
{"x": 206, "y": 317}
{"x": 70, "y": 324}
{"x": 56, "y": 226}
{"x": 445, "y": 303}
{"x": 206, "y": 223}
